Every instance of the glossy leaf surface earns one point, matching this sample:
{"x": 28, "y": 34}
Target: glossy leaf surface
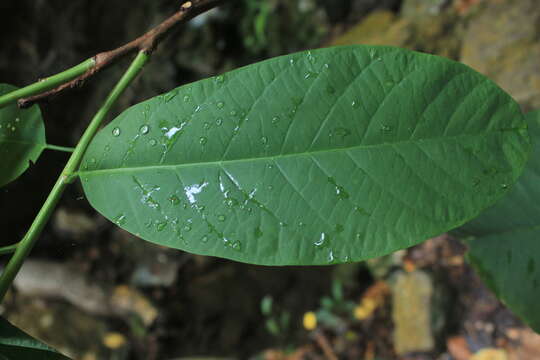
{"x": 320, "y": 157}
{"x": 17, "y": 345}
{"x": 507, "y": 246}
{"x": 22, "y": 138}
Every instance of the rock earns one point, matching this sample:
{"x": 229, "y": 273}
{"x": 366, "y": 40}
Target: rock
{"x": 66, "y": 282}
{"x": 417, "y": 9}
{"x": 490, "y": 354}
{"x": 502, "y": 42}
{"x": 73, "y": 224}
{"x": 61, "y": 281}
{"x": 126, "y": 301}
{"x": 411, "y": 312}
{"x": 434, "y": 34}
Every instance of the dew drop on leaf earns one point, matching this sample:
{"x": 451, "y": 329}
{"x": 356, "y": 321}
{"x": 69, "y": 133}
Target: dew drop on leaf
{"x": 321, "y": 241}
{"x": 220, "y": 105}
{"x": 143, "y": 130}
{"x": 173, "y": 199}
{"x": 120, "y": 220}
{"x": 161, "y": 225}
{"x": 203, "y": 140}
{"x": 219, "y": 121}
{"x": 116, "y": 132}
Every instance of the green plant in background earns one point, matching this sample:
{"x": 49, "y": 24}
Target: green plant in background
{"x": 321, "y": 157}
{"x": 277, "y": 321}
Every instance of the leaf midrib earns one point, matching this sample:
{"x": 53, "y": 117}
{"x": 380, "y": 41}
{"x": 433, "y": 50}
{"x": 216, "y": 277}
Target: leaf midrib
{"x": 306, "y": 153}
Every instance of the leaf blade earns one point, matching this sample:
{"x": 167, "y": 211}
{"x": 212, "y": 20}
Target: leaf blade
{"x": 17, "y": 345}
{"x": 296, "y": 159}
{"x": 22, "y": 138}
{"x": 506, "y": 244}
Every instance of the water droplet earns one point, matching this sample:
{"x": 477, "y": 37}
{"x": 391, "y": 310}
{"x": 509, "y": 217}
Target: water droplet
{"x": 291, "y": 61}
{"x": 219, "y": 121}
{"x": 258, "y": 233}
{"x": 231, "y": 202}
{"x": 233, "y": 113}
{"x": 187, "y": 98}
{"x": 220, "y": 79}
{"x": 204, "y": 239}
{"x": 275, "y": 120}
{"x": 236, "y": 245}
{"x": 17, "y": 119}
{"x": 173, "y": 199}
{"x": 220, "y": 105}
{"x": 340, "y": 191}
{"x": 322, "y": 240}
{"x": 161, "y": 225}
{"x": 143, "y": 130}
{"x": 340, "y": 132}
{"x": 361, "y": 210}
{"x": 270, "y": 166}
{"x": 168, "y": 97}
{"x": 386, "y": 128}
{"x": 207, "y": 126}
{"x": 355, "y": 104}
{"x": 152, "y": 142}
{"x": 187, "y": 228}
{"x": 331, "y": 256}
{"x": 203, "y": 140}
{"x": 107, "y": 148}
{"x": 120, "y": 220}
{"x": 264, "y": 140}
{"x": 221, "y": 217}
{"x": 116, "y": 132}
{"x": 504, "y": 186}
{"x": 13, "y": 128}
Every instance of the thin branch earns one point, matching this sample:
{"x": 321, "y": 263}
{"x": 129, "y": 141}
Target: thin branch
{"x": 146, "y": 43}
{"x": 8, "y": 249}
{"x": 24, "y": 247}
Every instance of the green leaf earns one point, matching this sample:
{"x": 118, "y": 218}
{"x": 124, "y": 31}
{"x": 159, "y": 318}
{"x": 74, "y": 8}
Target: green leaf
{"x": 16, "y": 345}
{"x": 327, "y": 156}
{"x": 22, "y": 138}
{"x": 507, "y": 247}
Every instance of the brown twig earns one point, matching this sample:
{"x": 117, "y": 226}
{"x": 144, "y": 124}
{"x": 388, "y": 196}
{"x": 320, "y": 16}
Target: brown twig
{"x": 147, "y": 43}
{"x": 324, "y": 344}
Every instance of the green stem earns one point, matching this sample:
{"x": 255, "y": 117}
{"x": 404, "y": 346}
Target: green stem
{"x": 59, "y": 148}
{"x": 47, "y": 83}
{"x": 26, "y": 244}
{"x": 8, "y": 249}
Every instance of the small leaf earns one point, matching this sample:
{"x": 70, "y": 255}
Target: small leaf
{"x": 506, "y": 249}
{"x": 22, "y": 138}
{"x": 320, "y": 157}
{"x": 16, "y": 345}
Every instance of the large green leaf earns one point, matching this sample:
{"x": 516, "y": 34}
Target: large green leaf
{"x": 22, "y": 138}
{"x": 333, "y": 155}
{"x": 16, "y": 345}
{"x": 507, "y": 244}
